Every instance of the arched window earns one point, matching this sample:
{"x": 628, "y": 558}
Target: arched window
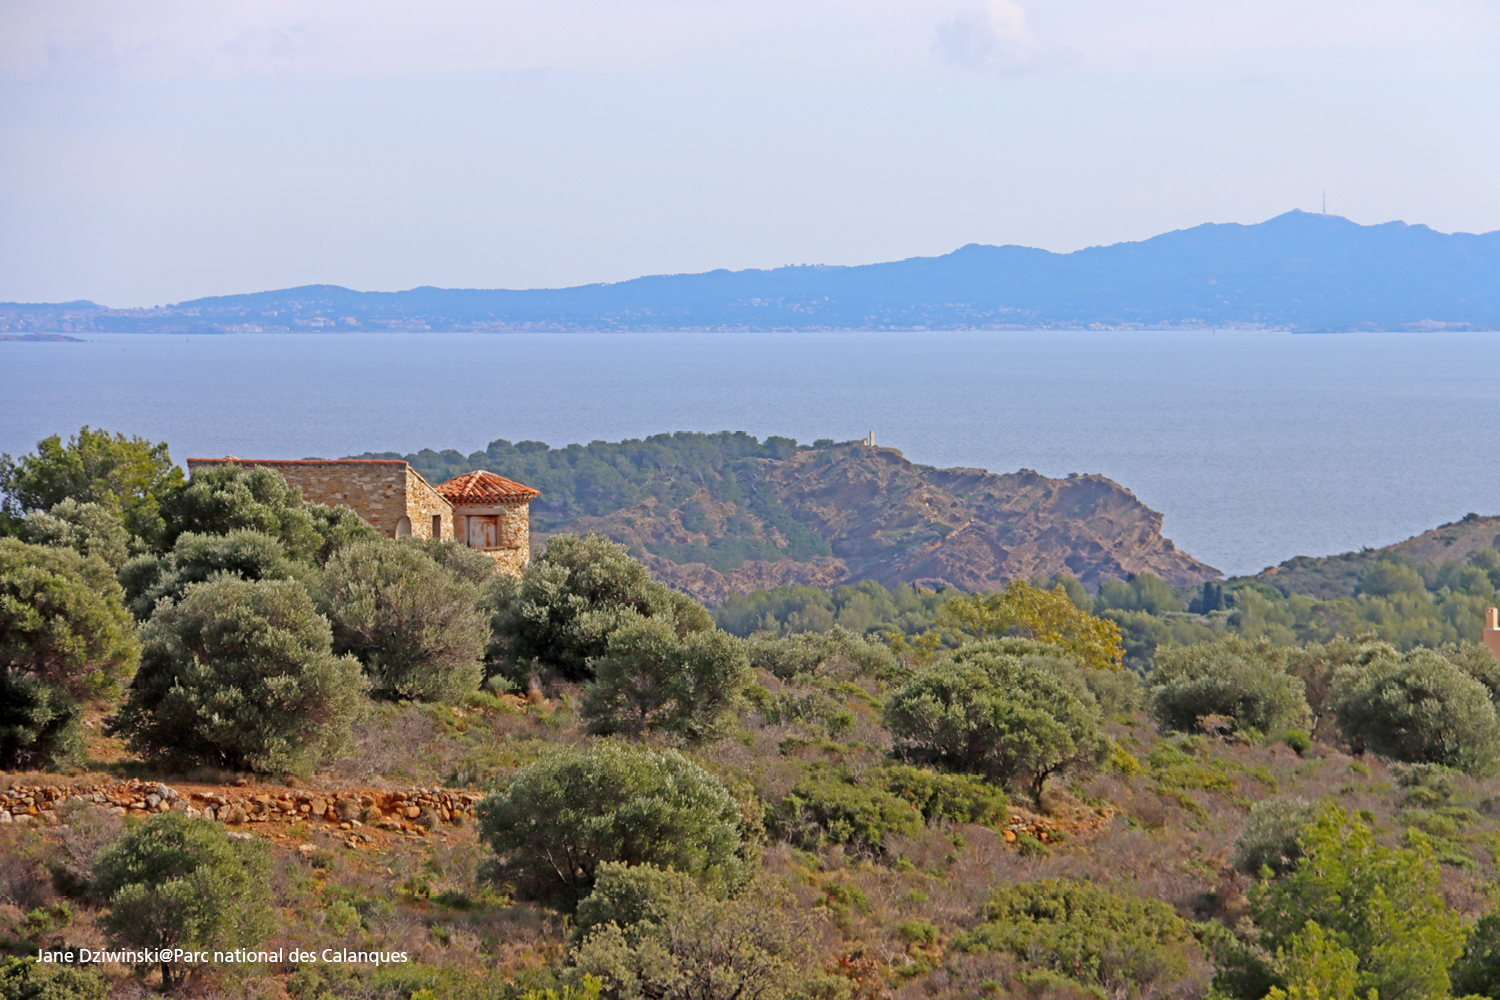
{"x": 403, "y": 527}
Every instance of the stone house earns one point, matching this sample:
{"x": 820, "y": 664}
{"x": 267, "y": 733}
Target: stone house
{"x": 1491, "y": 631}
{"x": 480, "y": 509}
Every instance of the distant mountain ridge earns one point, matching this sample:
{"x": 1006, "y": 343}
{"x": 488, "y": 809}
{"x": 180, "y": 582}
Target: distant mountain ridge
{"x": 1298, "y": 271}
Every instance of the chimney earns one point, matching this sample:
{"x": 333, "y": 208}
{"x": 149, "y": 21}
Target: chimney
{"x": 1491, "y": 632}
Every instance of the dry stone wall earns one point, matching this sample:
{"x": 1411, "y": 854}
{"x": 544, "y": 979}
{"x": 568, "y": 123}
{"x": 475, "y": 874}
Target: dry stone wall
{"x": 349, "y": 812}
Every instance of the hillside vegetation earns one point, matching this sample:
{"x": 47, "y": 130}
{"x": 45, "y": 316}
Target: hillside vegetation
{"x": 390, "y": 774}
{"x": 718, "y": 514}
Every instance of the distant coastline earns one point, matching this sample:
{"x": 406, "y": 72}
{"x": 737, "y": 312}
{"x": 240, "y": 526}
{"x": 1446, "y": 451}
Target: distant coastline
{"x": 1299, "y": 272}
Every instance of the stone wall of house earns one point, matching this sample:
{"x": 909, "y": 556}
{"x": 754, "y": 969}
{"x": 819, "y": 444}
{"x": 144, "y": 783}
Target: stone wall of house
{"x": 512, "y": 550}
{"x": 382, "y": 491}
{"x": 422, "y": 504}
{"x": 515, "y": 539}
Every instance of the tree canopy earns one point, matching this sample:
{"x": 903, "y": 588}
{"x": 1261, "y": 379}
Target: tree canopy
{"x": 576, "y": 808}
{"x": 1009, "y": 718}
{"x": 131, "y": 474}
{"x": 1048, "y": 616}
{"x": 62, "y": 620}
{"x": 173, "y": 882}
{"x": 241, "y": 674}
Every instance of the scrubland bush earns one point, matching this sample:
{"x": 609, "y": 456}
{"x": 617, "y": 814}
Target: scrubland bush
{"x": 650, "y": 678}
{"x": 1124, "y": 945}
{"x": 806, "y": 653}
{"x": 173, "y": 882}
{"x": 645, "y": 932}
{"x": 831, "y": 806}
{"x": 954, "y": 798}
{"x": 1383, "y": 904}
{"x": 1230, "y": 678}
{"x": 241, "y": 674}
{"x": 570, "y": 598}
{"x": 226, "y": 498}
{"x": 24, "y": 979}
{"x": 90, "y": 529}
{"x": 574, "y": 809}
{"x": 1271, "y": 836}
{"x": 39, "y": 725}
{"x": 416, "y": 627}
{"x": 62, "y": 620}
{"x": 1418, "y": 708}
{"x": 1004, "y": 717}
{"x": 195, "y": 558}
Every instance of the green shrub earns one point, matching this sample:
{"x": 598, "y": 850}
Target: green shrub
{"x": 831, "y": 806}
{"x": 1229, "y": 677}
{"x": 1384, "y": 904}
{"x": 195, "y": 558}
{"x": 90, "y": 529}
{"x": 1418, "y": 708}
{"x": 1123, "y": 944}
{"x": 575, "y": 809}
{"x": 1004, "y": 717}
{"x": 173, "y": 882}
{"x": 652, "y": 678}
{"x": 627, "y": 895}
{"x": 226, "y": 498}
{"x": 953, "y": 798}
{"x": 62, "y": 620}
{"x": 240, "y": 674}
{"x": 24, "y": 979}
{"x": 417, "y": 628}
{"x": 131, "y": 474}
{"x": 1477, "y": 971}
{"x": 39, "y": 725}
{"x": 834, "y": 651}
{"x": 1271, "y": 836}
{"x": 568, "y": 601}
{"x": 651, "y": 933}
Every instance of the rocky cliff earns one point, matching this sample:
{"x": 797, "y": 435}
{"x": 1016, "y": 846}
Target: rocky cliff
{"x": 884, "y": 518}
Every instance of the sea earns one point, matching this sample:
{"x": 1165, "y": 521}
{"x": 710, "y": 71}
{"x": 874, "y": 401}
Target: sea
{"x": 1256, "y": 446}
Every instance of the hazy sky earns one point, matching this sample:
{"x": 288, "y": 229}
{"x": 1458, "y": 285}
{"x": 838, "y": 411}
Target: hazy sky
{"x": 158, "y": 150}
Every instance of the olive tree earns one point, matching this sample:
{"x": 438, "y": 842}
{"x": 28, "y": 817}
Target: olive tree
{"x": 1229, "y": 677}
{"x": 233, "y": 497}
{"x": 195, "y": 558}
{"x": 1418, "y": 708}
{"x": 651, "y": 678}
{"x": 241, "y": 674}
{"x": 417, "y": 628}
{"x": 575, "y": 809}
{"x": 1008, "y": 718}
{"x": 62, "y": 620}
{"x": 176, "y": 883}
{"x": 40, "y": 725}
{"x": 570, "y": 598}
{"x": 90, "y": 529}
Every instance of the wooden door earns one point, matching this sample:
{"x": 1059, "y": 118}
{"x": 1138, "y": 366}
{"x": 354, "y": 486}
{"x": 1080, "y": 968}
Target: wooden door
{"x": 482, "y": 533}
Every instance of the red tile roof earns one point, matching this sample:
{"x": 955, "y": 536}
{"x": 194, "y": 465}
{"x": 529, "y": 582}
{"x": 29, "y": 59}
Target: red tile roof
{"x": 477, "y": 489}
